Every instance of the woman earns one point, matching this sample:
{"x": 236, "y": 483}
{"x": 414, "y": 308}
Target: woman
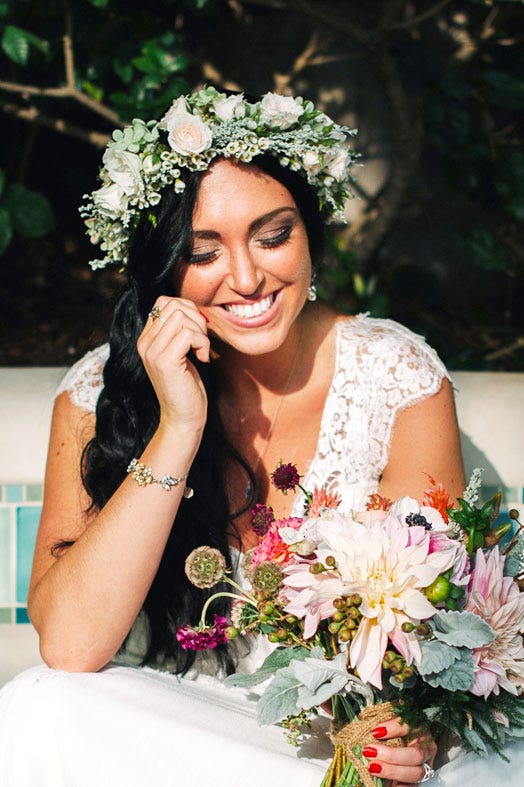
{"x": 220, "y": 364}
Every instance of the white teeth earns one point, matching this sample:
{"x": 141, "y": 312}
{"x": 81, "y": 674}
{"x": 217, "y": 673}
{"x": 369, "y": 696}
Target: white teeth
{"x": 250, "y": 310}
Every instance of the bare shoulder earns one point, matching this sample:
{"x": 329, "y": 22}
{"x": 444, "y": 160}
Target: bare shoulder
{"x": 65, "y": 513}
{"x": 425, "y": 441}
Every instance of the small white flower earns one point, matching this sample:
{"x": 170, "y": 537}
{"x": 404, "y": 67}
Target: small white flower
{"x": 230, "y": 107}
{"x": 110, "y": 200}
{"x": 336, "y": 163}
{"x": 279, "y": 111}
{"x": 408, "y": 506}
{"x": 150, "y": 166}
{"x": 124, "y": 169}
{"x": 311, "y": 162}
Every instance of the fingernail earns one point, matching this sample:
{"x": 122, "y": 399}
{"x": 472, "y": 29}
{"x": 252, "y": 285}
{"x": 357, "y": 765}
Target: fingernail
{"x": 379, "y": 732}
{"x": 204, "y": 316}
{"x": 374, "y": 768}
{"x": 369, "y": 751}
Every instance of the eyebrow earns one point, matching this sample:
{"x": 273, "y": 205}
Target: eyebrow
{"x": 253, "y": 227}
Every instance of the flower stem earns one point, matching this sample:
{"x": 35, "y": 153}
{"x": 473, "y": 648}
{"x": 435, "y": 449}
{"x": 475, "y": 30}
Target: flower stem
{"x": 221, "y": 594}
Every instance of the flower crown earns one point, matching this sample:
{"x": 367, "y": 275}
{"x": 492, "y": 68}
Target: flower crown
{"x": 144, "y": 157}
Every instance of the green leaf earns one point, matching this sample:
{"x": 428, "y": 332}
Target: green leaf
{"x": 124, "y": 69}
{"x": 99, "y": 3}
{"x": 436, "y": 656}
{"x": 461, "y": 629}
{"x": 280, "y": 699}
{"x": 4, "y": 9}
{"x": 483, "y": 248}
{"x": 278, "y": 659}
{"x": 6, "y": 230}
{"x": 31, "y": 212}
{"x": 474, "y": 740}
{"x": 457, "y": 677}
{"x": 94, "y": 91}
{"x": 15, "y": 44}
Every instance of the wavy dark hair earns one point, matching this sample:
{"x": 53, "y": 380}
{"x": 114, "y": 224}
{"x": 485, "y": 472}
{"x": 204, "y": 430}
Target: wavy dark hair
{"x": 127, "y": 414}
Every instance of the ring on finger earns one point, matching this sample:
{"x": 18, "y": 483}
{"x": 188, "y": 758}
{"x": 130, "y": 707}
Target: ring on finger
{"x": 428, "y": 773}
{"x": 156, "y": 313}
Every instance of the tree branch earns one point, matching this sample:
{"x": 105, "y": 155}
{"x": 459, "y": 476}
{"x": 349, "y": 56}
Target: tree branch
{"x": 416, "y": 20}
{"x": 33, "y": 115}
{"x": 69, "y": 59}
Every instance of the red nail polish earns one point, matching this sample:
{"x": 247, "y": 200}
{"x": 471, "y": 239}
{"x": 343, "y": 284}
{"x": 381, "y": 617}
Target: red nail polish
{"x": 374, "y": 768}
{"x": 369, "y": 751}
{"x": 379, "y": 732}
{"x": 204, "y": 316}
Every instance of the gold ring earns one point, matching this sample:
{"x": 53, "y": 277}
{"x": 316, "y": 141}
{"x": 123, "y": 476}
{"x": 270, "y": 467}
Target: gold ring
{"x": 155, "y": 314}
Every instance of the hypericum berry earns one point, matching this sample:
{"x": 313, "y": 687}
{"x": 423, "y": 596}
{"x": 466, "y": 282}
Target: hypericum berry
{"x": 339, "y": 603}
{"x": 438, "y": 590}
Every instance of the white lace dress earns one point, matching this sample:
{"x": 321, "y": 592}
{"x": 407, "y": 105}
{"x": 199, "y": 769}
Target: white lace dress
{"x": 132, "y": 727}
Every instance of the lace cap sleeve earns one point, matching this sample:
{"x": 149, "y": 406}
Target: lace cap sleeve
{"x": 83, "y": 381}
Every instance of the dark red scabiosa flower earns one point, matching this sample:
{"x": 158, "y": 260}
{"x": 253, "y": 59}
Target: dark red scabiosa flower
{"x": 202, "y": 639}
{"x": 261, "y": 518}
{"x": 285, "y": 477}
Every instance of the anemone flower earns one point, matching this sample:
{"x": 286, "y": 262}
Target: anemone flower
{"x": 498, "y": 601}
{"x": 388, "y": 565}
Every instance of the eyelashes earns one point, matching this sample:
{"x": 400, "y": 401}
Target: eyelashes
{"x": 267, "y": 242}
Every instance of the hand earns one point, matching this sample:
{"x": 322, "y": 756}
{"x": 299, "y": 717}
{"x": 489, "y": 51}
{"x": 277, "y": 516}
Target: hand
{"x": 163, "y": 347}
{"x": 403, "y": 765}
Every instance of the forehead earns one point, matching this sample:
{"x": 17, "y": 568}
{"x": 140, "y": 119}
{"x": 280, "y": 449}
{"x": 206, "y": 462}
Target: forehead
{"x": 234, "y": 191}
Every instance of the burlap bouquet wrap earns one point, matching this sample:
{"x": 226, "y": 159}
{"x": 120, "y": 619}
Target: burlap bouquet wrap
{"x": 350, "y": 734}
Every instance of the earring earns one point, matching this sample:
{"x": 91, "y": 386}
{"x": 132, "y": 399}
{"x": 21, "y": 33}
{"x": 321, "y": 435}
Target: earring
{"x": 312, "y": 292}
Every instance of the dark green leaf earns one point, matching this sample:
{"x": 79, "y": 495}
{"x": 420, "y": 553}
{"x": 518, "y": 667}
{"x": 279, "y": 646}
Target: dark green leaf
{"x": 15, "y": 44}
{"x": 99, "y": 3}
{"x": 124, "y": 69}
{"x": 6, "y": 230}
{"x": 31, "y": 212}
{"x": 482, "y": 248}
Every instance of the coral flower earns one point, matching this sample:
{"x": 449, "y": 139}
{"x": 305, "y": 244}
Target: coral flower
{"x": 272, "y": 546}
{"x": 498, "y": 601}
{"x": 437, "y": 497}
{"x": 322, "y": 498}
{"x": 388, "y": 565}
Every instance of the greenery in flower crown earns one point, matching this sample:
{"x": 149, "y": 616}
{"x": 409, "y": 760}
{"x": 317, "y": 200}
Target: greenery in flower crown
{"x": 143, "y": 158}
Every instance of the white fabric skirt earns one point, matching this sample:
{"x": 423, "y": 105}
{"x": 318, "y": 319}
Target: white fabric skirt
{"x": 129, "y": 727}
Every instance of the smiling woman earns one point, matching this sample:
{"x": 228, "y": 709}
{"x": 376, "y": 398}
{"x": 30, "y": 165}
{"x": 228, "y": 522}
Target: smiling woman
{"x": 219, "y": 364}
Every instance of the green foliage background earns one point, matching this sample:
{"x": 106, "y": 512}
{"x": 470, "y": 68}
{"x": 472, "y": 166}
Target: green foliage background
{"x": 436, "y": 87}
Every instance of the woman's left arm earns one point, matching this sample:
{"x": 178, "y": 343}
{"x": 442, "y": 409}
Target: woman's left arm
{"x": 425, "y": 441}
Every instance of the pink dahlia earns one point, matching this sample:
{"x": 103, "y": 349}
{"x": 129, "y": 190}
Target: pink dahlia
{"x": 498, "y": 601}
{"x": 272, "y": 547}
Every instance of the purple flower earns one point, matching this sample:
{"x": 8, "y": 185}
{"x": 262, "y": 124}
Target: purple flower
{"x": 285, "y": 477}
{"x": 261, "y": 518}
{"x": 204, "y": 638}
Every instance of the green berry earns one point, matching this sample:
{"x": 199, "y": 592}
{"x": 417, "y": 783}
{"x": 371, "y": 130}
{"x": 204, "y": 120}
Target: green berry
{"x": 438, "y": 590}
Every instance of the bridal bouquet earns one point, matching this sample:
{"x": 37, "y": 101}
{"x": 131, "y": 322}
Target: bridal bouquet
{"x": 401, "y": 609}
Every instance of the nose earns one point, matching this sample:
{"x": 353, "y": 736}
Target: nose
{"x": 245, "y": 276}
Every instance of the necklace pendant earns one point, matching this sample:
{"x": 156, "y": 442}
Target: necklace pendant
{"x": 248, "y": 491}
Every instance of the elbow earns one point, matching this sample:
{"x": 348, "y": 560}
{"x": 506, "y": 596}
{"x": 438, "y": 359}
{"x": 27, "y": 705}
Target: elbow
{"x": 71, "y": 657}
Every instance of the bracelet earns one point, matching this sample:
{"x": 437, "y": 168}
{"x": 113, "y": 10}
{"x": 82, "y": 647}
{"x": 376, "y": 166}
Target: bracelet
{"x": 143, "y": 475}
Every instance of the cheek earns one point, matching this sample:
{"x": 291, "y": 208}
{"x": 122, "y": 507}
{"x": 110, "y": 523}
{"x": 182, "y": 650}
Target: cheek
{"x": 193, "y": 283}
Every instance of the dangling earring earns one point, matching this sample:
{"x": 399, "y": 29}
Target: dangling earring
{"x": 312, "y": 292}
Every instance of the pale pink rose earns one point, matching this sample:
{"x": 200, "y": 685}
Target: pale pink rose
{"x": 230, "y": 107}
{"x": 186, "y": 133}
{"x": 125, "y": 169}
{"x": 110, "y": 200}
{"x": 279, "y": 111}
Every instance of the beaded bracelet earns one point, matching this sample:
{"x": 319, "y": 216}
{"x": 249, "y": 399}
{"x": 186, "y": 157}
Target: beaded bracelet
{"x": 143, "y": 475}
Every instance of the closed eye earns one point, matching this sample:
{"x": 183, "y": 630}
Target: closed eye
{"x": 278, "y": 239}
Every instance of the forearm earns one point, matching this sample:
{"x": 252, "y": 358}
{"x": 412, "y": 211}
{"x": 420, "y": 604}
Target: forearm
{"x": 85, "y": 603}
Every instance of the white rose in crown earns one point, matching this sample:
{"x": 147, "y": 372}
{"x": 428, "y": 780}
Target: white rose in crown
{"x": 124, "y": 169}
{"x": 337, "y": 163}
{"x": 311, "y": 162}
{"x": 186, "y": 133}
{"x": 230, "y": 107}
{"x": 279, "y": 111}
{"x": 110, "y": 200}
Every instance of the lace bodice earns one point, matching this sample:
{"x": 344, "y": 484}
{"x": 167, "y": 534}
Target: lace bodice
{"x": 380, "y": 368}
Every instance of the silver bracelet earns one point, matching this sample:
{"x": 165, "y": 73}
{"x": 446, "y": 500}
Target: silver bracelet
{"x": 143, "y": 475}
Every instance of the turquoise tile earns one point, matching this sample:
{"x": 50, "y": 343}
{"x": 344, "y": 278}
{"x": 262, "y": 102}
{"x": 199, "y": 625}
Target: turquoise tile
{"x": 26, "y": 527}
{"x": 5, "y": 555}
{"x": 5, "y": 616}
{"x": 13, "y": 493}
{"x": 22, "y": 616}
{"x": 34, "y": 493}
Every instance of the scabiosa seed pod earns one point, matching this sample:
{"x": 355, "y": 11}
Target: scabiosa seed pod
{"x": 205, "y": 566}
{"x": 266, "y": 576}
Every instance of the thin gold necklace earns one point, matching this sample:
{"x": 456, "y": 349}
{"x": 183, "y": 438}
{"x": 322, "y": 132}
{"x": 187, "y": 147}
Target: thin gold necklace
{"x": 249, "y": 489}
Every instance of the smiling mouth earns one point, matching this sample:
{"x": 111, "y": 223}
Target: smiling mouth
{"x": 246, "y": 310}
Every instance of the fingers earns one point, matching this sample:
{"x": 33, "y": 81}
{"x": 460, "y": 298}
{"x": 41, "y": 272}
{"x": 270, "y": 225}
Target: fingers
{"x": 403, "y": 765}
{"x": 177, "y": 324}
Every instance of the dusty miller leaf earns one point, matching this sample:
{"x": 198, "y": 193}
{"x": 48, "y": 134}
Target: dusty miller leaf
{"x": 462, "y": 629}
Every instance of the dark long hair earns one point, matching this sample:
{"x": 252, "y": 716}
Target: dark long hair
{"x": 127, "y": 414}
